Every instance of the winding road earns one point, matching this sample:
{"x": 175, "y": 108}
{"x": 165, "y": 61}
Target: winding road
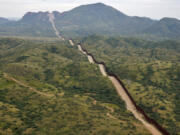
{"x": 138, "y": 113}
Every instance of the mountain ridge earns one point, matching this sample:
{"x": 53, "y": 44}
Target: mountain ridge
{"x": 91, "y": 19}
{"x": 30, "y": 16}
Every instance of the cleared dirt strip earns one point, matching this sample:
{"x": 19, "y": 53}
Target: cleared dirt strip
{"x": 138, "y": 113}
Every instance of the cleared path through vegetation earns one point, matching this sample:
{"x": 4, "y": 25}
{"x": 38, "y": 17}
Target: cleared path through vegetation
{"x": 51, "y": 19}
{"x": 120, "y": 90}
{"x": 8, "y": 77}
{"x": 71, "y": 42}
{"x": 138, "y": 113}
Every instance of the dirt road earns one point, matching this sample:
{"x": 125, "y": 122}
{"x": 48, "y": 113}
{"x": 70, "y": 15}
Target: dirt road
{"x": 8, "y": 77}
{"x": 121, "y": 92}
{"x": 130, "y": 106}
{"x": 71, "y": 42}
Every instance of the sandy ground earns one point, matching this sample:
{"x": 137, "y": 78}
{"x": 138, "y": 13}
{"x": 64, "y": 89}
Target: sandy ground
{"x": 71, "y": 42}
{"x": 102, "y": 69}
{"x": 90, "y": 59}
{"x": 80, "y": 49}
{"x": 130, "y": 106}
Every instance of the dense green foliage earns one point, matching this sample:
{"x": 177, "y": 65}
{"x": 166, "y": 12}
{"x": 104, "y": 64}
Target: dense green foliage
{"x": 64, "y": 94}
{"x": 150, "y": 71}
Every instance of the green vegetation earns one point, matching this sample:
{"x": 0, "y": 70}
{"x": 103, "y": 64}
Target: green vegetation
{"x": 57, "y": 92}
{"x": 91, "y": 19}
{"x": 166, "y": 27}
{"x": 31, "y": 25}
{"x": 150, "y": 71}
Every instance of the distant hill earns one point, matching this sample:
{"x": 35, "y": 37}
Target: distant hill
{"x": 92, "y": 19}
{"x": 3, "y": 20}
{"x": 101, "y": 19}
{"x": 32, "y": 24}
{"x": 32, "y": 17}
{"x": 166, "y": 27}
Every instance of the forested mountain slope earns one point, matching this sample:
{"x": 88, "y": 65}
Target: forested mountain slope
{"x": 50, "y": 88}
{"x": 166, "y": 27}
{"x": 149, "y": 70}
{"x": 101, "y": 19}
{"x": 91, "y": 19}
{"x": 31, "y": 25}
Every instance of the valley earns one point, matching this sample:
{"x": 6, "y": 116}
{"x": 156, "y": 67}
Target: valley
{"x": 92, "y": 70}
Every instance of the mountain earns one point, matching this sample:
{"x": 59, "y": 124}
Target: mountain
{"x": 32, "y": 24}
{"x": 3, "y": 20}
{"x": 100, "y": 19}
{"x": 166, "y": 27}
{"x": 32, "y": 17}
{"x": 91, "y": 19}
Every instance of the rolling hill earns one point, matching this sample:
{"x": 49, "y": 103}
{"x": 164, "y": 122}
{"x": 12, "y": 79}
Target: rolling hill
{"x": 166, "y": 27}
{"x": 150, "y": 71}
{"x": 3, "y": 20}
{"x": 50, "y": 88}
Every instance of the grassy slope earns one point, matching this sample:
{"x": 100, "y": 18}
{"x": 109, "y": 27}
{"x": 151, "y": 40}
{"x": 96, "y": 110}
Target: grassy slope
{"x": 81, "y": 100}
{"x": 150, "y": 71}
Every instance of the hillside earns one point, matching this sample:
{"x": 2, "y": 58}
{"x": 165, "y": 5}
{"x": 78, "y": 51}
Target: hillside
{"x": 149, "y": 70}
{"x": 91, "y": 19}
{"x": 31, "y": 25}
{"x": 100, "y": 19}
{"x": 166, "y": 27}
{"x": 3, "y": 20}
{"x": 50, "y": 88}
